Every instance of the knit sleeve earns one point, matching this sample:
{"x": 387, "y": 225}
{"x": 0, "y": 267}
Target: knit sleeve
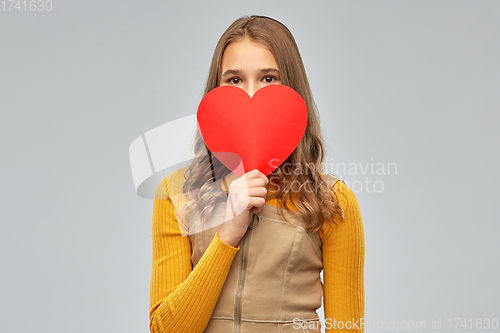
{"x": 182, "y": 299}
{"x": 343, "y": 266}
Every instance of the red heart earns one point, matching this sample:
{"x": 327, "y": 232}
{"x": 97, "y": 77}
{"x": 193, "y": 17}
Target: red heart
{"x": 247, "y": 133}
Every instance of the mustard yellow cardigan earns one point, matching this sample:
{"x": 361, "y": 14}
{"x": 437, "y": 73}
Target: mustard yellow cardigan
{"x": 182, "y": 299}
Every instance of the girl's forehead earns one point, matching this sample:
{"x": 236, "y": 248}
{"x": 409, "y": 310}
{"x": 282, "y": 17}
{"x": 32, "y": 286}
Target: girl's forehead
{"x": 246, "y": 55}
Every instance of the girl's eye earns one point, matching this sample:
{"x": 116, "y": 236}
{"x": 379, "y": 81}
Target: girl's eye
{"x": 269, "y": 79}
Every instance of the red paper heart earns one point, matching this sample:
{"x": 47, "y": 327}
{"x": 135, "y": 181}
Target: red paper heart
{"x": 247, "y": 133}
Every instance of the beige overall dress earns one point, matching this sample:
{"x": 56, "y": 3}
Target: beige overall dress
{"x": 274, "y": 278}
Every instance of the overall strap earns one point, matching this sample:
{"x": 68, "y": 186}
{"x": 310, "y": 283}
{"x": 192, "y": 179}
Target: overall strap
{"x": 331, "y": 179}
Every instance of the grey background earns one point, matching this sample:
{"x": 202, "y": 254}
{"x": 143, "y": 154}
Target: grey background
{"x": 408, "y": 82}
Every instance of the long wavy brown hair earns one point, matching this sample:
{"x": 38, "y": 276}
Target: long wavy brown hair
{"x": 316, "y": 204}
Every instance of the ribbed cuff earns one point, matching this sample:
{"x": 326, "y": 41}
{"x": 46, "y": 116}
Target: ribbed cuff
{"x": 218, "y": 240}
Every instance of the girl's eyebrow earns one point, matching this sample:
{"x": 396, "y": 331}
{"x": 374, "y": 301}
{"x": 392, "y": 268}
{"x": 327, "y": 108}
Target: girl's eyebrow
{"x": 267, "y": 70}
{"x": 239, "y": 71}
{"x": 231, "y": 71}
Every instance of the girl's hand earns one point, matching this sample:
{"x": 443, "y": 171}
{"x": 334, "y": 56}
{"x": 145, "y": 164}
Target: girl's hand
{"x": 247, "y": 195}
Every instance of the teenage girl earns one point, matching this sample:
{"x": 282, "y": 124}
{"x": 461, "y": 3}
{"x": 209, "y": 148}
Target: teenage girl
{"x": 257, "y": 270}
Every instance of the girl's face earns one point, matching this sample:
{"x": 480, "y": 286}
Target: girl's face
{"x": 249, "y": 65}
